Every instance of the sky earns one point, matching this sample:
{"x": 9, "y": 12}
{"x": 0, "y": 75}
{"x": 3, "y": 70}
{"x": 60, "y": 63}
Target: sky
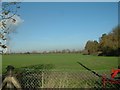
{"x": 62, "y": 25}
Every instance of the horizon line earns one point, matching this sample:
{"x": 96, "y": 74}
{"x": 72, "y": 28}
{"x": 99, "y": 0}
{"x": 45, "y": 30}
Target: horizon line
{"x": 60, "y": 0}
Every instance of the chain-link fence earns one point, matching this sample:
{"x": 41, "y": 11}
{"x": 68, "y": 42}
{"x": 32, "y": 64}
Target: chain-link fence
{"x": 34, "y": 77}
{"x": 31, "y": 78}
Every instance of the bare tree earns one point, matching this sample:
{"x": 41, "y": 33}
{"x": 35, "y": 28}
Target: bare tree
{"x": 9, "y": 21}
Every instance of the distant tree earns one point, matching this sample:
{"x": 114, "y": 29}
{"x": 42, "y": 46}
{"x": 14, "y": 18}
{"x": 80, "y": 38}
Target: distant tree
{"x": 27, "y": 53}
{"x": 34, "y": 52}
{"x": 85, "y": 52}
{"x": 63, "y": 51}
{"x": 67, "y": 51}
{"x": 73, "y": 51}
{"x": 91, "y": 47}
{"x": 109, "y": 43}
{"x": 44, "y": 52}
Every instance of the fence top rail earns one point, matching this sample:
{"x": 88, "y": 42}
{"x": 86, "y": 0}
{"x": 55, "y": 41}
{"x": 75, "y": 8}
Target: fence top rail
{"x": 61, "y": 70}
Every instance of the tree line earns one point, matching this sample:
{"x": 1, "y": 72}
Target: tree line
{"x": 48, "y": 52}
{"x": 108, "y": 44}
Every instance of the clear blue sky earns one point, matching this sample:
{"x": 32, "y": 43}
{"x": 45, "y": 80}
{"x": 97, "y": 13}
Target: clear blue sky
{"x": 51, "y": 26}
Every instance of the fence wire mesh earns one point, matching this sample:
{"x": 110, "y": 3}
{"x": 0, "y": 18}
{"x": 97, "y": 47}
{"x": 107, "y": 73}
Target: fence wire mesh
{"x": 30, "y": 78}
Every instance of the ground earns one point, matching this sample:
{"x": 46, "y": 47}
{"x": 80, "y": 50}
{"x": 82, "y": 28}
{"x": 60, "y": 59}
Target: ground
{"x": 61, "y": 61}
{"x": 66, "y": 72}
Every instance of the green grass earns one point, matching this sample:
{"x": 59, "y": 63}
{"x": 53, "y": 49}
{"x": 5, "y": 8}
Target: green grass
{"x": 71, "y": 74}
{"x": 61, "y": 61}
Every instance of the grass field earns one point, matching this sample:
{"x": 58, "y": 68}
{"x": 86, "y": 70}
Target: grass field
{"x": 61, "y": 61}
{"x": 66, "y": 73}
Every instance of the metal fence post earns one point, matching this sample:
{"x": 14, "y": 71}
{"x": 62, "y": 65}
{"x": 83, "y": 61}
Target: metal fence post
{"x": 42, "y": 80}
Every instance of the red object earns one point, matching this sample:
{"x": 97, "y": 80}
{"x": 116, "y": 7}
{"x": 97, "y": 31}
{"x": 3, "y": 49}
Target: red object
{"x": 115, "y": 72}
{"x": 112, "y": 80}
